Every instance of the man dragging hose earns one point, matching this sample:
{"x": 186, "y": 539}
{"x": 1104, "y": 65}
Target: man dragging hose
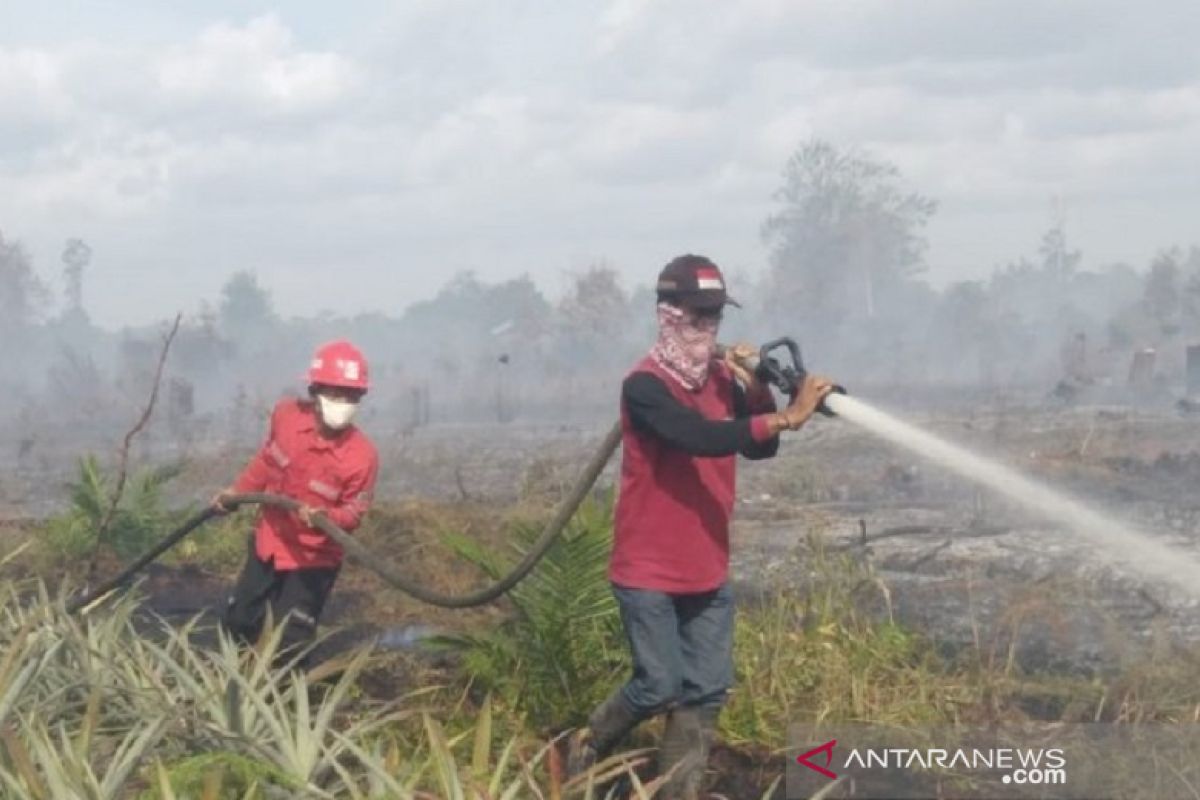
{"x": 314, "y": 454}
{"x": 685, "y": 416}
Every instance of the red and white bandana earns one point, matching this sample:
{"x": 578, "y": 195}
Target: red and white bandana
{"x": 686, "y": 345}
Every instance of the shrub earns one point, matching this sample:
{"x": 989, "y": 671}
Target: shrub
{"x": 562, "y": 651}
{"x": 140, "y": 518}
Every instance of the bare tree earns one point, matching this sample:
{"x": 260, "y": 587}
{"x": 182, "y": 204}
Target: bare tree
{"x": 127, "y": 443}
{"x": 76, "y": 256}
{"x": 22, "y": 294}
{"x": 245, "y": 308}
{"x": 846, "y": 233}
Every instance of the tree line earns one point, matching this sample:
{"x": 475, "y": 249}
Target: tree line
{"x": 846, "y": 275}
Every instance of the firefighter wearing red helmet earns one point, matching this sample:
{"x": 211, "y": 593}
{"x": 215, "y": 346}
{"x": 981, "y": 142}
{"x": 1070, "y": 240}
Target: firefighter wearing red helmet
{"x": 314, "y": 454}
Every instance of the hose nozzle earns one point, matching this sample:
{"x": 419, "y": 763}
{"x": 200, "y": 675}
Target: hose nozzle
{"x": 787, "y": 375}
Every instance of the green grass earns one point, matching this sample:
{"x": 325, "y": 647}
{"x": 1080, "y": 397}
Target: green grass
{"x": 218, "y": 774}
{"x": 819, "y": 653}
{"x": 218, "y": 546}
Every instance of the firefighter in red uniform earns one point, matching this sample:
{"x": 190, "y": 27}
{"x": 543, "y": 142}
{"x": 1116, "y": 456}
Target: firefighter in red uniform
{"x": 685, "y": 416}
{"x": 315, "y": 455}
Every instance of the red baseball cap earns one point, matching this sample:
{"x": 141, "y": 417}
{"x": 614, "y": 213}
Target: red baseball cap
{"x": 693, "y": 281}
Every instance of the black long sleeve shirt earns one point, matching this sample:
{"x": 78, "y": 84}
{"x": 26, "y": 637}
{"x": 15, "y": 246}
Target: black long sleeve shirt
{"x": 653, "y": 409}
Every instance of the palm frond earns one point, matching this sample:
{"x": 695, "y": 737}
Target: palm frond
{"x": 562, "y": 647}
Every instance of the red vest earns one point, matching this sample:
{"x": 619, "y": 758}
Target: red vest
{"x": 671, "y": 530}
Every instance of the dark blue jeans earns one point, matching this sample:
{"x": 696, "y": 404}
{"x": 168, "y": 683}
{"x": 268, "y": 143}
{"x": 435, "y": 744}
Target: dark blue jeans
{"x": 682, "y": 646}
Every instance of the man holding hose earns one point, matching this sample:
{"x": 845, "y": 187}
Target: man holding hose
{"x": 314, "y": 454}
{"x": 686, "y": 415}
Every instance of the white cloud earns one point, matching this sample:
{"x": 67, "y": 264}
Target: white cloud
{"x": 620, "y": 20}
{"x": 462, "y": 135}
{"x": 258, "y": 63}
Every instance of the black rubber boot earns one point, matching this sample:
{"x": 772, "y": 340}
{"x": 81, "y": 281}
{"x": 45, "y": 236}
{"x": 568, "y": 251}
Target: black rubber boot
{"x": 686, "y": 743}
{"x": 679, "y": 753}
{"x": 608, "y": 724}
{"x": 708, "y": 734}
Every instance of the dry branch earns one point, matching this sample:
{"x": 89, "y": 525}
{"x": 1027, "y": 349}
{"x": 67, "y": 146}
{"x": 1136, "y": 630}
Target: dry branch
{"x": 462, "y": 485}
{"x": 123, "y": 462}
{"x": 975, "y": 531}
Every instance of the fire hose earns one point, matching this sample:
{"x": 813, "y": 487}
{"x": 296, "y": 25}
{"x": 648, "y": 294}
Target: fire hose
{"x": 357, "y": 551}
{"x": 786, "y": 377}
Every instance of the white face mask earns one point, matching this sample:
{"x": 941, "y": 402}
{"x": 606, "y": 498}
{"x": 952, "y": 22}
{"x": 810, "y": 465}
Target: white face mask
{"x": 336, "y": 414}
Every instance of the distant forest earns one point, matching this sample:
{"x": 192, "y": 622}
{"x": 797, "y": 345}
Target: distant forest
{"x": 845, "y": 277}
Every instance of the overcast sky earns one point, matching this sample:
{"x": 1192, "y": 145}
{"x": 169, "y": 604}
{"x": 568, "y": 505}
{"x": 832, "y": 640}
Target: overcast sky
{"x": 357, "y": 154}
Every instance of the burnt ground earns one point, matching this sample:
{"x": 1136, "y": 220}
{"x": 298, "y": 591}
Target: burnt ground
{"x": 959, "y": 560}
{"x": 964, "y": 567}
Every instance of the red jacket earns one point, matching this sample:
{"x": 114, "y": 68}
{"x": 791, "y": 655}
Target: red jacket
{"x": 336, "y": 475}
{"x": 671, "y": 527}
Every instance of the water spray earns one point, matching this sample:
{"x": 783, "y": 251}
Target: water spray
{"x": 1120, "y": 544}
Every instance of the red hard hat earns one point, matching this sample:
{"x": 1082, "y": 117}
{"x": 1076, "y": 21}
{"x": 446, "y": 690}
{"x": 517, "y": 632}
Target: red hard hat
{"x": 339, "y": 364}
